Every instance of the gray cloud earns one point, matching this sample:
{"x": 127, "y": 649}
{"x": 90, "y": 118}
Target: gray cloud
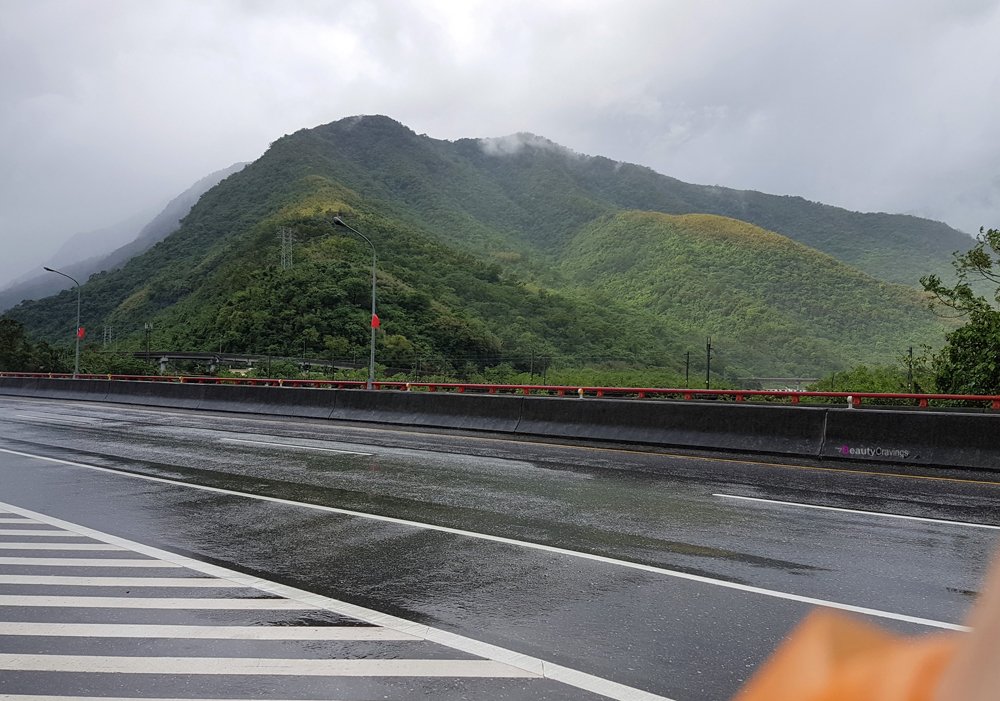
{"x": 108, "y": 107}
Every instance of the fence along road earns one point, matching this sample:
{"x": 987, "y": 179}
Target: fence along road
{"x": 84, "y": 610}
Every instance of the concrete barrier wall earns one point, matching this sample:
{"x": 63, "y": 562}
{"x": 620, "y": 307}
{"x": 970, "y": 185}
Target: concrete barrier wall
{"x": 18, "y": 386}
{"x": 282, "y": 401}
{"x": 87, "y": 390}
{"x": 723, "y": 425}
{"x": 915, "y": 438}
{"x": 460, "y": 411}
{"x": 155, "y": 394}
{"x": 932, "y": 438}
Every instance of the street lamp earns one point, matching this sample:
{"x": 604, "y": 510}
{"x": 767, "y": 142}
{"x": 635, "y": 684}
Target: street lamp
{"x": 76, "y": 365}
{"x": 374, "y": 320}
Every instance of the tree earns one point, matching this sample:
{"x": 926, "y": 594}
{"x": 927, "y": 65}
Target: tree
{"x": 969, "y": 363}
{"x": 15, "y": 351}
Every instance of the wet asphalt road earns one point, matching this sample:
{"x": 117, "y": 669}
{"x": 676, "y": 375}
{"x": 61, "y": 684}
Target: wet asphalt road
{"x": 645, "y": 628}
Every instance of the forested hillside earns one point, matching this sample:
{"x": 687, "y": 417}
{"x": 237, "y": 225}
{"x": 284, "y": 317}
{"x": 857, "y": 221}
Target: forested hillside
{"x": 500, "y": 251}
{"x": 749, "y": 288}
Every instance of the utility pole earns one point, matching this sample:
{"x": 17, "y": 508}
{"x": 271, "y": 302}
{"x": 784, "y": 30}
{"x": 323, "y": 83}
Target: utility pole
{"x": 708, "y": 363}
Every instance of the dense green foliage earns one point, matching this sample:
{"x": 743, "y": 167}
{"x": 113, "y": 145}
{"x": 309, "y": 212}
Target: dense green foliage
{"x": 776, "y": 305}
{"x": 500, "y": 263}
{"x": 889, "y": 379}
{"x": 969, "y": 363}
{"x": 18, "y": 354}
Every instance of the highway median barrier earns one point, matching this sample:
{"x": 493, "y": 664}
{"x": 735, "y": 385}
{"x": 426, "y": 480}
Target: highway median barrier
{"x": 931, "y": 438}
{"x": 432, "y": 409}
{"x": 771, "y": 429}
{"x": 277, "y": 401}
{"x": 86, "y": 390}
{"x": 160, "y": 394}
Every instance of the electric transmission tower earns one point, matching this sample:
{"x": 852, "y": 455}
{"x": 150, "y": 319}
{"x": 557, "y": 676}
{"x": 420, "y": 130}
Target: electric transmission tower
{"x": 287, "y": 237}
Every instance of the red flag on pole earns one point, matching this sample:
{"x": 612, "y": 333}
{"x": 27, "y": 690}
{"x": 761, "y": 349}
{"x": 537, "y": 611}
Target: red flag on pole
{"x": 375, "y": 321}
{"x": 80, "y": 332}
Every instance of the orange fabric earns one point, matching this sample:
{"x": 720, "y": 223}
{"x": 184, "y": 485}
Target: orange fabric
{"x": 832, "y": 657}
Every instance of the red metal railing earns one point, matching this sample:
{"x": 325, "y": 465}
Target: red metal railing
{"x": 738, "y": 395}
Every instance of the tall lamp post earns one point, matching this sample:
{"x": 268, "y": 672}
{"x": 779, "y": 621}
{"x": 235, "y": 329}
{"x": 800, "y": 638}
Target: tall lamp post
{"x": 76, "y": 365}
{"x": 374, "y": 320}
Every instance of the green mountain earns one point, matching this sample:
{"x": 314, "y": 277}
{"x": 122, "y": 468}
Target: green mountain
{"x": 508, "y": 250}
{"x": 748, "y": 288}
{"x": 525, "y": 194}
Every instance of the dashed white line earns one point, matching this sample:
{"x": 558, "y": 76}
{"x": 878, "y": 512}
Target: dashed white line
{"x": 882, "y": 514}
{"x": 51, "y": 533}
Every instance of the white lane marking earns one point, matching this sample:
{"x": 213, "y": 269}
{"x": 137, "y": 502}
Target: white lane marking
{"x": 58, "y": 546}
{"x": 22, "y": 521}
{"x": 118, "y": 630}
{"x": 94, "y": 664}
{"x": 535, "y": 665}
{"x": 51, "y": 533}
{"x": 83, "y": 562}
{"x": 801, "y": 505}
{"x": 137, "y": 602}
{"x": 812, "y": 601}
{"x": 294, "y": 446}
{"x": 75, "y": 581}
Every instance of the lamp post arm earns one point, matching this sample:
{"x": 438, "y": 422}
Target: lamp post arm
{"x": 340, "y": 222}
{"x": 76, "y": 363}
{"x": 371, "y": 362}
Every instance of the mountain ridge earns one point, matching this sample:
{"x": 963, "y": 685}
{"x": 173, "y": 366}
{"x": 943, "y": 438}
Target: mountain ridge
{"x": 487, "y": 248}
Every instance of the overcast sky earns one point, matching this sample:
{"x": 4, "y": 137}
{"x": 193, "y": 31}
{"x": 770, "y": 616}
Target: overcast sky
{"x": 112, "y": 107}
